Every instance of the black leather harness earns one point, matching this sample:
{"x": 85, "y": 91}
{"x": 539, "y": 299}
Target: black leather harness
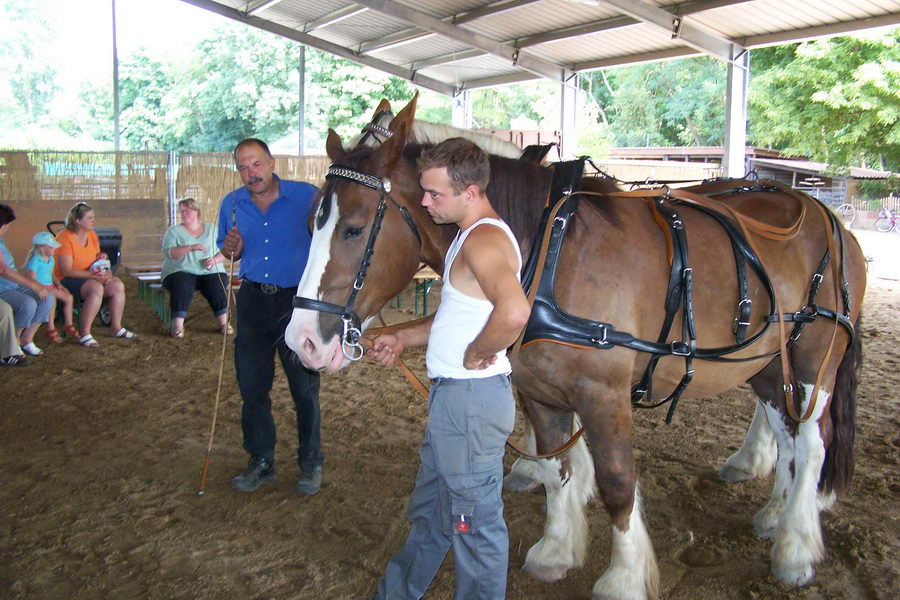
{"x": 550, "y": 323}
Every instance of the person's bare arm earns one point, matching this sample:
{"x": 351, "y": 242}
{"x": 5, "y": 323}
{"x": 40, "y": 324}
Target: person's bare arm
{"x": 66, "y": 269}
{"x": 485, "y": 256}
{"x": 178, "y": 252}
{"x": 11, "y": 274}
{"x": 385, "y": 348}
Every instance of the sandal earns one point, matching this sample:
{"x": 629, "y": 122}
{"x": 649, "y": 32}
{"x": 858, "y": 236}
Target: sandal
{"x": 31, "y": 349}
{"x": 88, "y": 341}
{"x": 124, "y": 334}
{"x": 178, "y": 333}
{"x": 227, "y": 329}
{"x": 70, "y": 331}
{"x": 53, "y": 336}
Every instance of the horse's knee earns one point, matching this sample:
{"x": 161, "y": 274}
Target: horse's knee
{"x": 617, "y": 492}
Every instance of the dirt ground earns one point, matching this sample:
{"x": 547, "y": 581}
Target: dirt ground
{"x": 102, "y": 451}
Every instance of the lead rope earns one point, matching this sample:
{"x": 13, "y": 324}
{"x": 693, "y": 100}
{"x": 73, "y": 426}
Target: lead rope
{"x": 212, "y": 428}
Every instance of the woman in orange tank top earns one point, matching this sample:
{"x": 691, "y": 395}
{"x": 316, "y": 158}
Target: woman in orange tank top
{"x": 75, "y": 267}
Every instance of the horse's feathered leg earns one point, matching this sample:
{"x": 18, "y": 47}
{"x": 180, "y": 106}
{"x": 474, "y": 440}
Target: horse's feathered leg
{"x": 569, "y": 483}
{"x": 633, "y": 573}
{"x": 757, "y": 454}
{"x": 798, "y": 539}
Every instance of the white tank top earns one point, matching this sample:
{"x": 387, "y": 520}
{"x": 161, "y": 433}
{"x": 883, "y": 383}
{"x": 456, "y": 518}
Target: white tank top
{"x": 460, "y": 318}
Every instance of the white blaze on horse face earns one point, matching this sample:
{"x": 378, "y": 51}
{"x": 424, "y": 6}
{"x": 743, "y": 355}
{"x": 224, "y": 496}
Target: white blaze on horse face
{"x": 302, "y": 334}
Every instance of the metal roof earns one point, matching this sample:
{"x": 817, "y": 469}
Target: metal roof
{"x": 453, "y": 45}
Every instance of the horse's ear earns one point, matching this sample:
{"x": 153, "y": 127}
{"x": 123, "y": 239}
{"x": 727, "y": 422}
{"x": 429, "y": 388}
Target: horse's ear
{"x": 333, "y": 147}
{"x": 383, "y": 106}
{"x": 390, "y": 151}
{"x": 406, "y": 115}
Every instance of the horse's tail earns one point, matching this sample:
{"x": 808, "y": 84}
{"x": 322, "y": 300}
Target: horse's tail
{"x": 837, "y": 470}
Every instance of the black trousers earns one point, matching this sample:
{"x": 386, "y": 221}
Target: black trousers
{"x": 261, "y": 320}
{"x": 181, "y": 288}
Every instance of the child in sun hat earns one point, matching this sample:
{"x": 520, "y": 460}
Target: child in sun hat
{"x": 39, "y": 267}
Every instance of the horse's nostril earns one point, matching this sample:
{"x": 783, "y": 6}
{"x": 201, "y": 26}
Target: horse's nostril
{"x": 308, "y": 346}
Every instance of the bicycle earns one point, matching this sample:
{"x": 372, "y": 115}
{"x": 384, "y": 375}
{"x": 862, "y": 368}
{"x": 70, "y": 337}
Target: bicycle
{"x": 888, "y": 220}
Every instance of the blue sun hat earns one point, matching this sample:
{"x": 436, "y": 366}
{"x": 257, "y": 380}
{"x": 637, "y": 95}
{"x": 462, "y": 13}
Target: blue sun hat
{"x": 45, "y": 238}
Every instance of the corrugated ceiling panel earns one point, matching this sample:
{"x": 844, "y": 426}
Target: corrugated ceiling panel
{"x": 468, "y": 70}
{"x": 422, "y": 49}
{"x": 767, "y": 16}
{"x": 636, "y": 39}
{"x": 538, "y": 17}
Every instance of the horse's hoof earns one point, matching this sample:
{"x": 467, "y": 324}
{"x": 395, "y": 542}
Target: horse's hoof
{"x": 765, "y": 523}
{"x": 794, "y": 575}
{"x": 730, "y": 474}
{"x": 516, "y": 482}
{"x": 545, "y": 573}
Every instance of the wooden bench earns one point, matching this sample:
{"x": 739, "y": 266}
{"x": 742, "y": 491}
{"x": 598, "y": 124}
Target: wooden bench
{"x": 424, "y": 279}
{"x": 145, "y": 280}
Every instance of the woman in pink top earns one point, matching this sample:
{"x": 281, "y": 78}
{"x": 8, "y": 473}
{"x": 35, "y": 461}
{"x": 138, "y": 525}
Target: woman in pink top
{"x": 79, "y": 249}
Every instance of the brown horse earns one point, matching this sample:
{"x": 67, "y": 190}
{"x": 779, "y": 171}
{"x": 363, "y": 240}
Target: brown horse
{"x": 614, "y": 268}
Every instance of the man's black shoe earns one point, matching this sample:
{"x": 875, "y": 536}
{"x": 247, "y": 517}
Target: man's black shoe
{"x": 310, "y": 481}
{"x": 259, "y": 471}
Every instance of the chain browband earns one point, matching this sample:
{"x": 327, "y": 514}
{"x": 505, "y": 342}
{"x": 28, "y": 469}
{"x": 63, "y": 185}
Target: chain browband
{"x": 350, "y": 346}
{"x": 373, "y": 128}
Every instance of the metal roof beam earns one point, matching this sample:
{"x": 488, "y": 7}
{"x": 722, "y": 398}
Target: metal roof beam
{"x": 634, "y": 59}
{"x": 261, "y": 6}
{"x": 528, "y": 62}
{"x": 680, "y": 28}
{"x": 799, "y": 35}
{"x": 415, "y": 33}
{"x": 334, "y": 17}
{"x": 445, "y": 59}
{"x": 308, "y": 40}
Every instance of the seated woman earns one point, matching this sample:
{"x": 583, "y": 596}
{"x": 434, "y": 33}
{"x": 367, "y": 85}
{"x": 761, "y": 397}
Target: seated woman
{"x": 29, "y": 300}
{"x": 79, "y": 250}
{"x": 189, "y": 264}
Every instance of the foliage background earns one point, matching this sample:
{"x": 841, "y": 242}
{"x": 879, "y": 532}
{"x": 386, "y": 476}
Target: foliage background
{"x": 835, "y": 100}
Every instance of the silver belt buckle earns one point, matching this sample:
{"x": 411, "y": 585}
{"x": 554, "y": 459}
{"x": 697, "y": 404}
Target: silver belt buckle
{"x": 268, "y": 288}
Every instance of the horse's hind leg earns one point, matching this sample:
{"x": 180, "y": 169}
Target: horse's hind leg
{"x": 569, "y": 483}
{"x": 757, "y": 454}
{"x": 798, "y": 537}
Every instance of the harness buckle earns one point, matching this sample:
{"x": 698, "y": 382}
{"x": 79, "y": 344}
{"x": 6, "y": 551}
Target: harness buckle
{"x": 601, "y": 341}
{"x": 680, "y": 348}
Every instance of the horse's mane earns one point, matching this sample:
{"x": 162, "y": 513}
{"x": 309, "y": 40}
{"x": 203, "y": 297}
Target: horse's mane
{"x": 517, "y": 190}
{"x": 433, "y": 133}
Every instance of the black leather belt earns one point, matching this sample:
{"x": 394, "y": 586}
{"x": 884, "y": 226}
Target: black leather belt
{"x": 271, "y": 289}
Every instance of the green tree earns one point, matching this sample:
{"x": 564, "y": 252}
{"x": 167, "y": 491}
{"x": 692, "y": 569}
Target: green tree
{"x": 834, "y": 100}
{"x": 670, "y": 103}
{"x": 25, "y": 65}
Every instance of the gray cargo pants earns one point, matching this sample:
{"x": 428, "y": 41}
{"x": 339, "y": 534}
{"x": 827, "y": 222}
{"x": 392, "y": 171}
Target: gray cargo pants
{"x": 456, "y": 500}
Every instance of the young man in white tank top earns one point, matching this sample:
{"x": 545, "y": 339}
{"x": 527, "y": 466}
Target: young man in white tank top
{"x": 456, "y": 502}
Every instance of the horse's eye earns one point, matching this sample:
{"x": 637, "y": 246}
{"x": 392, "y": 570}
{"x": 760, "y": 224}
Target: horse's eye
{"x": 352, "y": 232}
{"x": 322, "y": 215}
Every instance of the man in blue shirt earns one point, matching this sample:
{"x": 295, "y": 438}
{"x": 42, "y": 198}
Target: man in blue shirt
{"x": 264, "y": 224}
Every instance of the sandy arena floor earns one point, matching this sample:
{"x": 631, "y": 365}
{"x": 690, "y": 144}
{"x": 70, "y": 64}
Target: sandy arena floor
{"x": 102, "y": 451}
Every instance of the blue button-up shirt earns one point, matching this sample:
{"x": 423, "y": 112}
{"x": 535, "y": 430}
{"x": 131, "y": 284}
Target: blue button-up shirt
{"x": 276, "y": 243}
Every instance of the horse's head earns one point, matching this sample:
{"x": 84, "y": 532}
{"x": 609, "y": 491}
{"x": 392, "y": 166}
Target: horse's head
{"x": 367, "y": 243}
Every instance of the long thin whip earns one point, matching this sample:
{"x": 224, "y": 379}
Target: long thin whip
{"x": 212, "y": 427}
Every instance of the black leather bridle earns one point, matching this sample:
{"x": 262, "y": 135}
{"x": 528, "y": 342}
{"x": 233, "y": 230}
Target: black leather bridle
{"x": 352, "y": 326}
